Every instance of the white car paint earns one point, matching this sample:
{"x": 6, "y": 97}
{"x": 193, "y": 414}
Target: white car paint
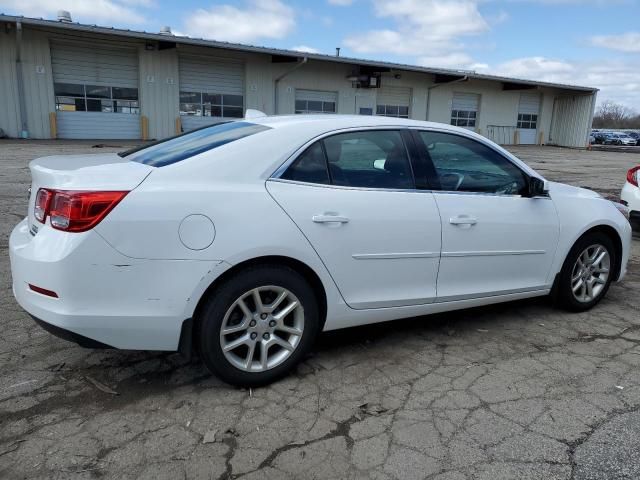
{"x": 132, "y": 280}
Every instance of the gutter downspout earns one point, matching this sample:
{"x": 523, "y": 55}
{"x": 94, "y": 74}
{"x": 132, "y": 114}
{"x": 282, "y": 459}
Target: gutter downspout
{"x": 24, "y": 130}
{"x": 459, "y": 80}
{"x": 277, "y": 81}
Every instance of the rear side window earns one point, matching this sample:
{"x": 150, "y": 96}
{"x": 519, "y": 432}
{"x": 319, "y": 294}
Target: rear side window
{"x": 369, "y": 159}
{"x": 189, "y": 144}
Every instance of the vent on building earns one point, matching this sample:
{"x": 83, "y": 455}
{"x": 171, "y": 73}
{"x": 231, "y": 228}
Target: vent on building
{"x": 64, "y": 16}
{"x": 166, "y": 30}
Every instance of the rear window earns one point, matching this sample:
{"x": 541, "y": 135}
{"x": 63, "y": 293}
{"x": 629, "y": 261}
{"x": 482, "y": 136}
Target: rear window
{"x": 192, "y": 143}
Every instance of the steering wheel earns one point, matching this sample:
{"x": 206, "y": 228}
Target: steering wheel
{"x": 453, "y": 178}
{"x": 510, "y": 188}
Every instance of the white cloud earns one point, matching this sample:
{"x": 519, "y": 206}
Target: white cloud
{"x": 258, "y": 19}
{"x": 341, "y": 3}
{"x": 617, "y": 80}
{"x": 119, "y": 11}
{"x": 626, "y": 42}
{"x": 427, "y": 29}
{"x": 305, "y": 48}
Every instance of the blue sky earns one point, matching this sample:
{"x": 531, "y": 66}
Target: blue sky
{"x": 590, "y": 42}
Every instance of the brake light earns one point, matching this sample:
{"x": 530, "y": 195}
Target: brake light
{"x": 633, "y": 175}
{"x": 73, "y": 211}
{"x": 43, "y": 201}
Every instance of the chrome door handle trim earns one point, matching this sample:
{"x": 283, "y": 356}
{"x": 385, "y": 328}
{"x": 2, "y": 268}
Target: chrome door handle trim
{"x": 329, "y": 219}
{"x": 463, "y": 220}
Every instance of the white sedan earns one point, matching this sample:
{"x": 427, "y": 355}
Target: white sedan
{"x": 630, "y": 195}
{"x": 246, "y": 239}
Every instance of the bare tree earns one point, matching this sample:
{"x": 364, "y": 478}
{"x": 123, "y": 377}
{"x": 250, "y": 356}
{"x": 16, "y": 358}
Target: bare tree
{"x": 614, "y": 115}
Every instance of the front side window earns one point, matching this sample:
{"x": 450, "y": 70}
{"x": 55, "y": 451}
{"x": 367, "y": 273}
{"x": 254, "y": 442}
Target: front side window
{"x": 369, "y": 159}
{"x": 71, "y": 97}
{"x": 465, "y": 165}
{"x": 463, "y": 118}
{"x": 202, "y": 104}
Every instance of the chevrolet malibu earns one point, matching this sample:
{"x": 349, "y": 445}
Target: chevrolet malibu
{"x": 244, "y": 240}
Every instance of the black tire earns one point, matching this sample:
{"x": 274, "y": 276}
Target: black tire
{"x": 564, "y": 295}
{"x": 210, "y": 320}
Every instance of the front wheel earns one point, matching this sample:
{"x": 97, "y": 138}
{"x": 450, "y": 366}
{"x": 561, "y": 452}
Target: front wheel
{"x": 587, "y": 272}
{"x": 258, "y": 325}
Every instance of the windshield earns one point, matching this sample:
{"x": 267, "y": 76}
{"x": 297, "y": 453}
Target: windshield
{"x": 192, "y": 143}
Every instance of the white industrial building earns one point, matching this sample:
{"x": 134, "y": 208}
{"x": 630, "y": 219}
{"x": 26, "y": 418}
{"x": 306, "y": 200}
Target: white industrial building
{"x": 60, "y": 79}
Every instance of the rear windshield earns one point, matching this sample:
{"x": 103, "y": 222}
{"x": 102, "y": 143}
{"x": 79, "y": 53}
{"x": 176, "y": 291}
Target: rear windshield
{"x": 192, "y": 143}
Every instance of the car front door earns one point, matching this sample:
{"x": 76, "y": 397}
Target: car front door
{"x": 495, "y": 239}
{"x": 353, "y": 196}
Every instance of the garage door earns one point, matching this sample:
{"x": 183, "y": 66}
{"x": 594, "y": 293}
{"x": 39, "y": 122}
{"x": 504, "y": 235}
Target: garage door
{"x": 316, "y": 101}
{"x": 528, "y": 110}
{"x": 464, "y": 110}
{"x": 211, "y": 90}
{"x": 96, "y": 91}
{"x": 393, "y": 102}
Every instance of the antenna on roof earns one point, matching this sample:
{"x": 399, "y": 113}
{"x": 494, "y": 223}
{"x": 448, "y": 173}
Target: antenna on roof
{"x": 64, "y": 16}
{"x": 337, "y": 51}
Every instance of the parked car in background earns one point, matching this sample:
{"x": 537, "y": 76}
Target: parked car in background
{"x": 630, "y": 196}
{"x": 635, "y": 136}
{"x": 618, "y": 138}
{"x": 600, "y": 137}
{"x": 246, "y": 239}
{"x": 592, "y": 139}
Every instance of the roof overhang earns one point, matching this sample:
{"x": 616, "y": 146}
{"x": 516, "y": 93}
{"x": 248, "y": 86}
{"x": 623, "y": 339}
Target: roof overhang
{"x": 290, "y": 55}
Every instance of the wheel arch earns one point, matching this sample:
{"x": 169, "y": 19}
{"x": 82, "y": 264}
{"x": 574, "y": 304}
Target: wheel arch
{"x": 277, "y": 260}
{"x": 614, "y": 236}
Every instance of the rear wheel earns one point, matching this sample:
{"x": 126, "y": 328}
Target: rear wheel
{"x": 258, "y": 325}
{"x": 587, "y": 272}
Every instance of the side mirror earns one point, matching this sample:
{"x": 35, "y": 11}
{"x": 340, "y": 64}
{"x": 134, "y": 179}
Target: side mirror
{"x": 538, "y": 187}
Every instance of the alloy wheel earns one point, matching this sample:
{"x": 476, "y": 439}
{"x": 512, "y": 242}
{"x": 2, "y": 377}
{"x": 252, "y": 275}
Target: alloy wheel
{"x": 590, "y": 273}
{"x": 262, "y": 328}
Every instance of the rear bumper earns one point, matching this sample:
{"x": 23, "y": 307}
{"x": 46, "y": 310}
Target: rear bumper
{"x": 70, "y": 336}
{"x": 104, "y": 298}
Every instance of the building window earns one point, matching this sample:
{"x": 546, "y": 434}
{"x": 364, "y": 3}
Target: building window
{"x": 204, "y": 104}
{"x": 71, "y": 97}
{"x": 366, "y": 111}
{"x": 527, "y": 120}
{"x": 463, "y": 118}
{"x": 399, "y": 111}
{"x": 315, "y": 106}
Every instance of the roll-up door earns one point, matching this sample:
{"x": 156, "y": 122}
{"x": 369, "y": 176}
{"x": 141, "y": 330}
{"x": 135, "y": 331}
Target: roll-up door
{"x": 316, "y": 101}
{"x": 211, "y": 90}
{"x": 528, "y": 111}
{"x": 96, "y": 91}
{"x": 393, "y": 102}
{"x": 464, "y": 110}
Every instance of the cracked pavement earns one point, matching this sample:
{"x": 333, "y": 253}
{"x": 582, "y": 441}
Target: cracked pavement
{"x": 517, "y": 390}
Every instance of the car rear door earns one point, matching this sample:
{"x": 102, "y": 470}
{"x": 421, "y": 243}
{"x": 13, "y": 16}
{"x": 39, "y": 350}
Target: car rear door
{"x": 495, "y": 239}
{"x": 354, "y": 197}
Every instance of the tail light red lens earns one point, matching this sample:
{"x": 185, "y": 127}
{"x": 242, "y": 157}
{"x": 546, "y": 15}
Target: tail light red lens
{"x": 43, "y": 201}
{"x": 73, "y": 211}
{"x": 633, "y": 175}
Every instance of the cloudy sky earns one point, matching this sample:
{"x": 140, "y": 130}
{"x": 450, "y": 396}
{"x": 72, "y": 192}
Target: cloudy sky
{"x": 585, "y": 42}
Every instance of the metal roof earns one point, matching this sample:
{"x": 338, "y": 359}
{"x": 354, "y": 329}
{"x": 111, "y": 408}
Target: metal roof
{"x": 277, "y": 51}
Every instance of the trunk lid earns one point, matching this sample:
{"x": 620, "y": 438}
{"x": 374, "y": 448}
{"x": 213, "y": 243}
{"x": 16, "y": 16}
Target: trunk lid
{"x": 98, "y": 172}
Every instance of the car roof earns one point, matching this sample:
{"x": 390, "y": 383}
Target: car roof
{"x": 338, "y": 121}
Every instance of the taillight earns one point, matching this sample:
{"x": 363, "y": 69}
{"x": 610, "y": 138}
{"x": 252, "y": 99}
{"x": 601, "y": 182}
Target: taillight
{"x": 73, "y": 211}
{"x": 43, "y": 201}
{"x": 633, "y": 175}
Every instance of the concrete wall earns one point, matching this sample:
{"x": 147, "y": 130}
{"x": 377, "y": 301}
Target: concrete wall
{"x": 159, "y": 88}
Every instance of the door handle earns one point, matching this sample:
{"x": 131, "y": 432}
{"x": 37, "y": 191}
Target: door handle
{"x": 463, "y": 220}
{"x": 327, "y": 218}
